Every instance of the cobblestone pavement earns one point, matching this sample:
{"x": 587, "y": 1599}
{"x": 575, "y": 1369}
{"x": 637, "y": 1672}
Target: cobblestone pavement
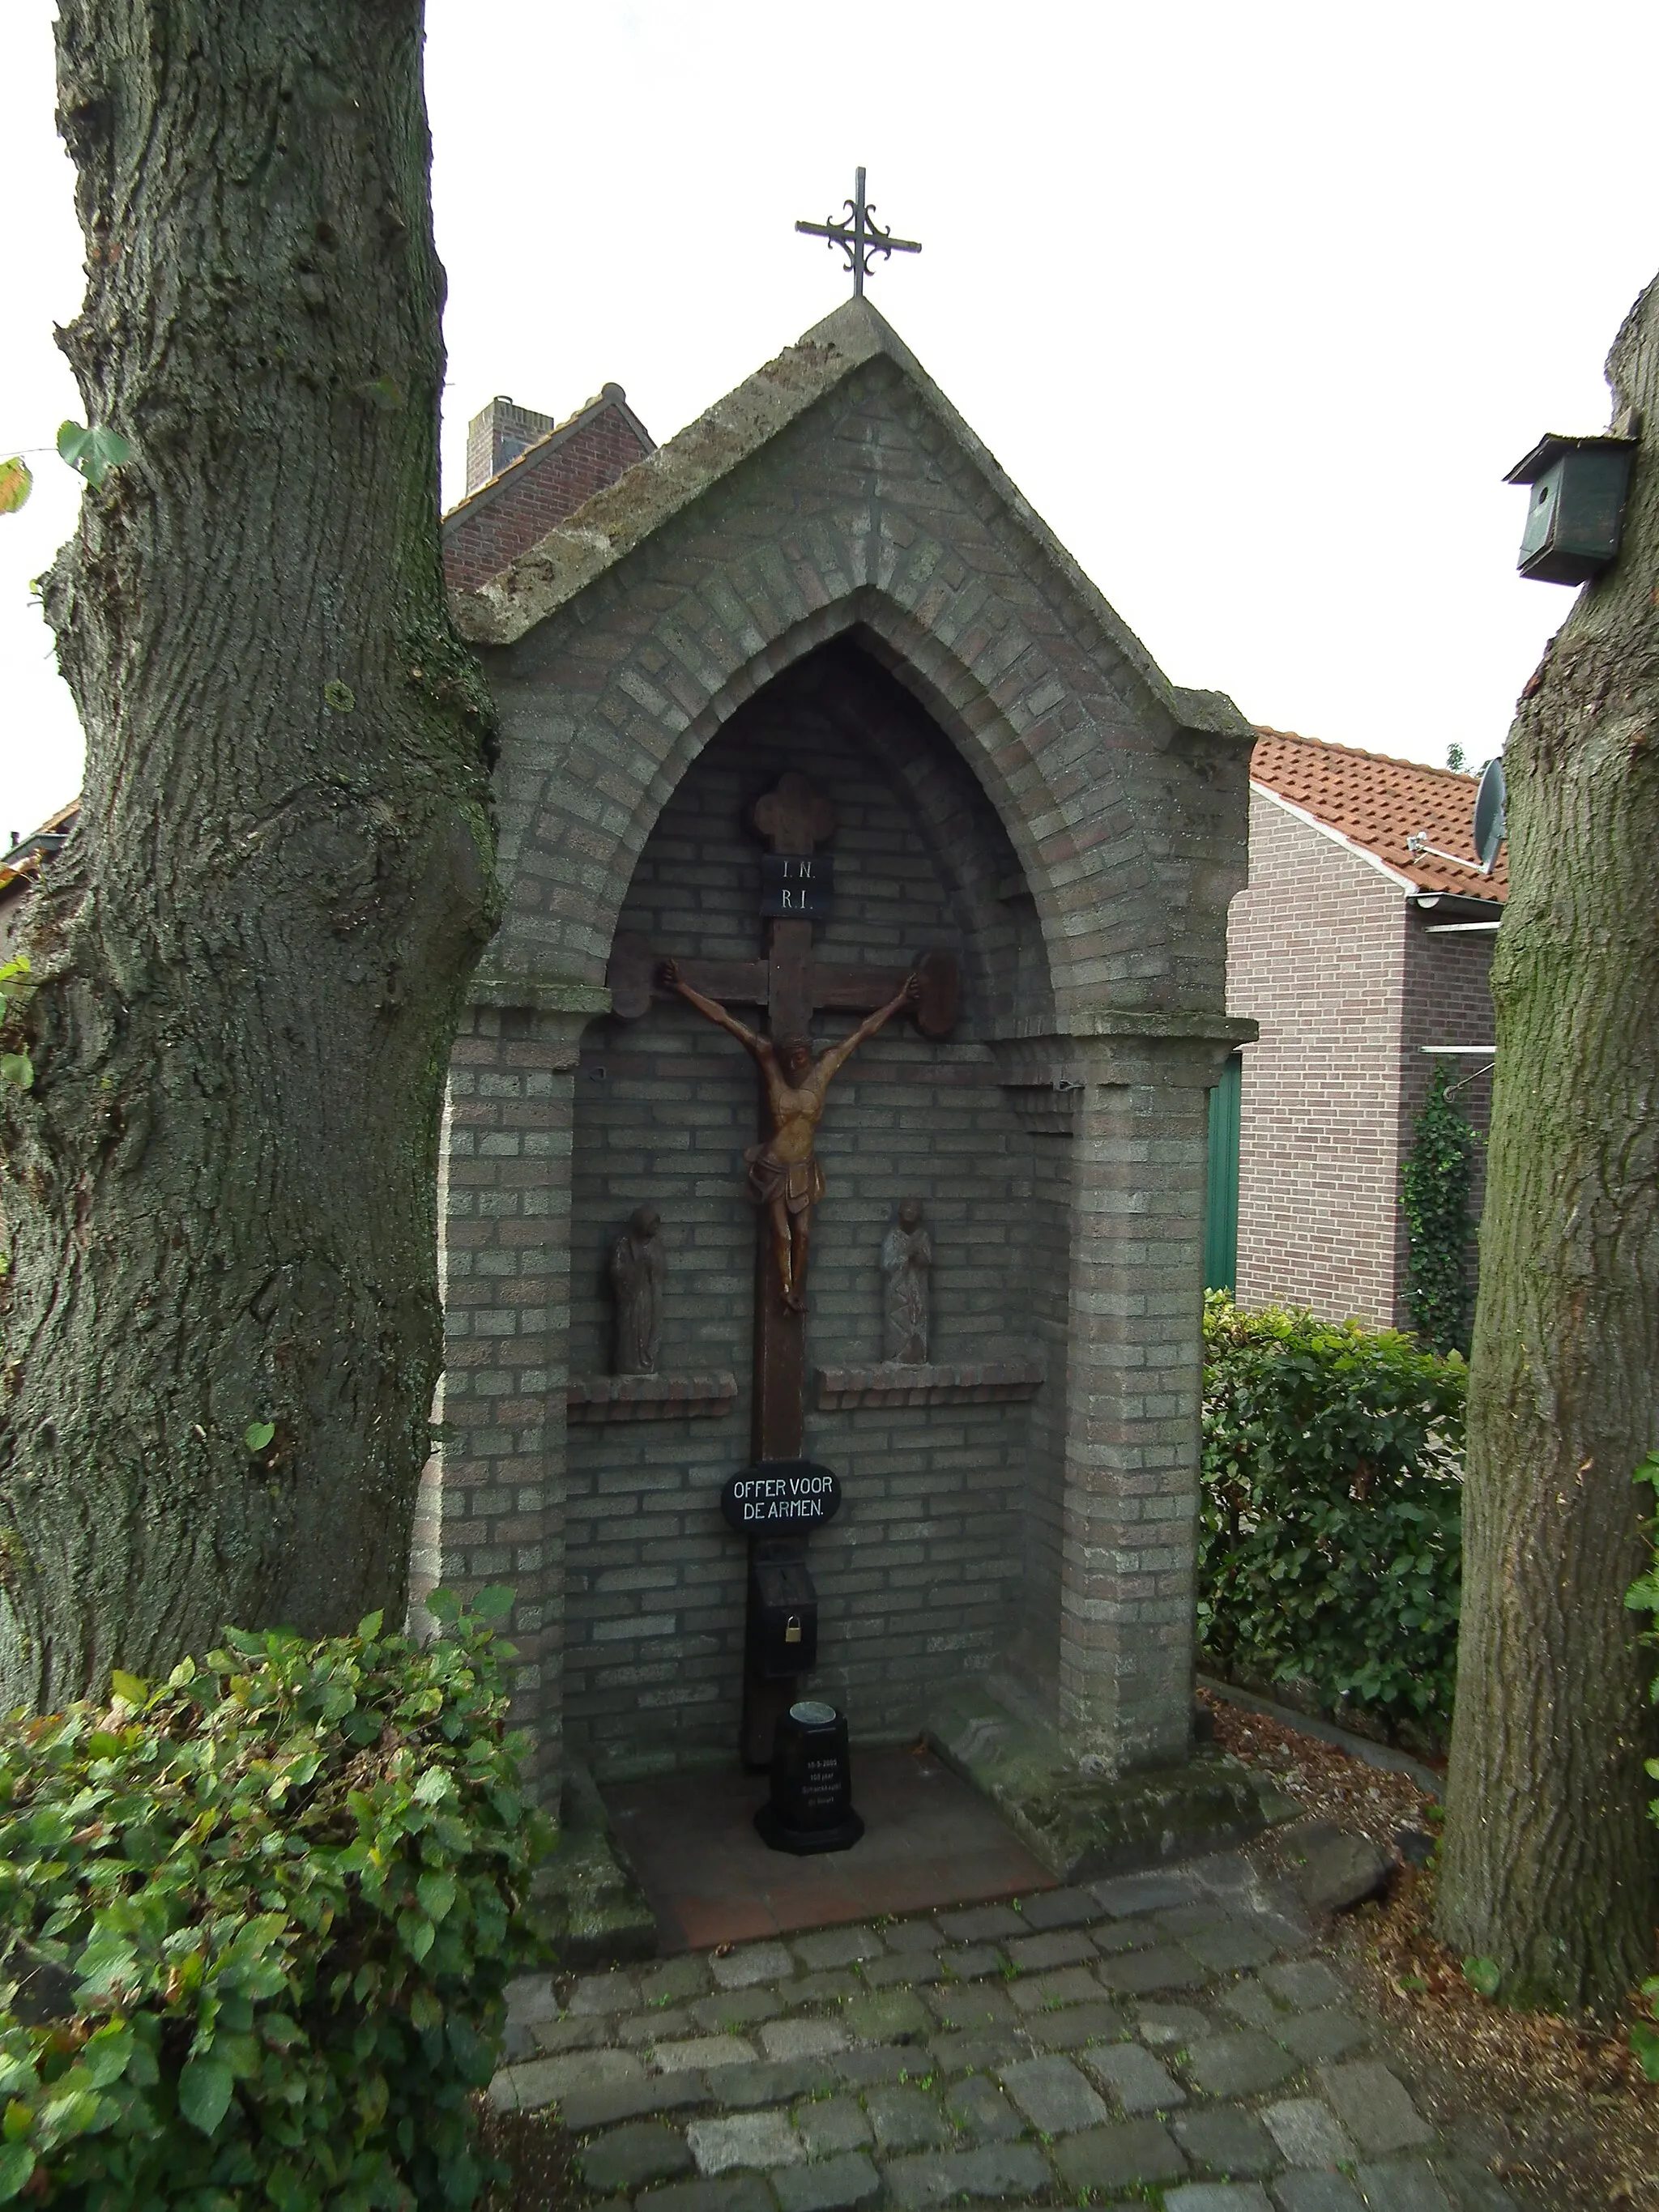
{"x": 1167, "y": 2038}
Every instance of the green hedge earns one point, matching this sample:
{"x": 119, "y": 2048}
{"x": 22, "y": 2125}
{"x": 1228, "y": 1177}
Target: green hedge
{"x": 258, "y": 1923}
{"x": 1330, "y": 1537}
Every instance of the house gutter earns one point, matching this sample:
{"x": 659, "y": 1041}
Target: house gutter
{"x": 1459, "y": 912}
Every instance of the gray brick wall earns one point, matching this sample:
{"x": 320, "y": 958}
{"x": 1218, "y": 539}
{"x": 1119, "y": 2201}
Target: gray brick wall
{"x": 507, "y": 1171}
{"x": 1034, "y": 1649}
{"x": 1126, "y": 1597}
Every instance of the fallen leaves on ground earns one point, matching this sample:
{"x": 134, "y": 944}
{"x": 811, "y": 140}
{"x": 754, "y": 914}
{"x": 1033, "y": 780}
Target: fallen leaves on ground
{"x": 1558, "y": 2106}
{"x": 1328, "y": 1783}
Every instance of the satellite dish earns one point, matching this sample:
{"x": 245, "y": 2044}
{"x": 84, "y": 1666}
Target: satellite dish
{"x": 1489, "y": 814}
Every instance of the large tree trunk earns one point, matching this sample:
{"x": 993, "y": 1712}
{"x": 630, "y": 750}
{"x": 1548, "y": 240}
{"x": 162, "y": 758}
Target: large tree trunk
{"x": 1550, "y": 1865}
{"x": 219, "y": 1195}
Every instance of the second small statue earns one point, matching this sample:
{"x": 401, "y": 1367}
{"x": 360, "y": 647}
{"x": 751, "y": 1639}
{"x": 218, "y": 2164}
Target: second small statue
{"x": 638, "y": 1266}
{"x": 907, "y": 1254}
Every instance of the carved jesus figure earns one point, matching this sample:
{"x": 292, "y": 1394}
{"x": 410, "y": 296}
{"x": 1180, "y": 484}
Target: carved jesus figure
{"x": 785, "y": 1178}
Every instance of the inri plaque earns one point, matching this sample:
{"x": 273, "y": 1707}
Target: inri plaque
{"x": 797, "y": 886}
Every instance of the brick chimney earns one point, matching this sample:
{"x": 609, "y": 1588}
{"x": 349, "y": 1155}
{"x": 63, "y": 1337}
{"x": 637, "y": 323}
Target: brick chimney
{"x": 526, "y": 473}
{"x": 498, "y": 435}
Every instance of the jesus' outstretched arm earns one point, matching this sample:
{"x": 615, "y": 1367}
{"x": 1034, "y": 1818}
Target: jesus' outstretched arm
{"x": 715, "y": 1012}
{"x": 839, "y": 1054}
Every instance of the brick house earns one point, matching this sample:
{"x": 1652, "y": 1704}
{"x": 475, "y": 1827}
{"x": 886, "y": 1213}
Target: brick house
{"x": 20, "y": 870}
{"x": 1361, "y": 945}
{"x": 526, "y": 473}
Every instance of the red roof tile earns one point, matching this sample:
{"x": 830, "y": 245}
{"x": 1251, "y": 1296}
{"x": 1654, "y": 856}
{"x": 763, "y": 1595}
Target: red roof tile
{"x": 1379, "y": 802}
{"x": 27, "y": 866}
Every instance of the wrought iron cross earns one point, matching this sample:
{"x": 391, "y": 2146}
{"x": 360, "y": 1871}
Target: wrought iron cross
{"x": 860, "y": 236}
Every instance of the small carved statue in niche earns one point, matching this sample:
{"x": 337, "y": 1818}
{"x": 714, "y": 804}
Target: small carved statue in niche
{"x": 638, "y": 1266}
{"x": 907, "y": 1254}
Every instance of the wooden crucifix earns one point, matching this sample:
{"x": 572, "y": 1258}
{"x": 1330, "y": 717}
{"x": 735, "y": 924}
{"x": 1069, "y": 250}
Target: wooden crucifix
{"x": 785, "y": 1181}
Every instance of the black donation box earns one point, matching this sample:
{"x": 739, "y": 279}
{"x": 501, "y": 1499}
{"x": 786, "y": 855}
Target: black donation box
{"x": 783, "y": 1618}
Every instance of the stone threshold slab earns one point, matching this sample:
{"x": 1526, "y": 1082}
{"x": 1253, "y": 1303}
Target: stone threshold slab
{"x": 594, "y": 1909}
{"x": 931, "y": 1842}
{"x": 1084, "y": 1826}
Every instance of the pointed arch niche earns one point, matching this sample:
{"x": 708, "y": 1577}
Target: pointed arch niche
{"x": 946, "y": 1555}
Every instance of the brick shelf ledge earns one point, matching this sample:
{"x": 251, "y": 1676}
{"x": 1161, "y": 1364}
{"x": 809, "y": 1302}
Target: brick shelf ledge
{"x": 649, "y": 1397}
{"x": 966, "y": 1382}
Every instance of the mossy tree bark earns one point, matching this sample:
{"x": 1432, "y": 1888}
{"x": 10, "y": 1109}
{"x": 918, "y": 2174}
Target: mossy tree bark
{"x": 219, "y": 1195}
{"x": 1550, "y": 1866}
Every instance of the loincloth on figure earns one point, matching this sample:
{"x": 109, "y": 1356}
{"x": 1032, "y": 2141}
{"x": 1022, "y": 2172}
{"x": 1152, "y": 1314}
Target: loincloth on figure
{"x": 798, "y": 1183}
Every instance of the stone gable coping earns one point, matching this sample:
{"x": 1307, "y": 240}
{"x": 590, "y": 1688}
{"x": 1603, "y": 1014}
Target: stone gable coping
{"x": 621, "y": 516}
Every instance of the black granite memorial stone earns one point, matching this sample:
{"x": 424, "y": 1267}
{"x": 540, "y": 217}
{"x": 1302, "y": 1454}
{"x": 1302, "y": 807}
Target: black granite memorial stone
{"x": 810, "y": 1808}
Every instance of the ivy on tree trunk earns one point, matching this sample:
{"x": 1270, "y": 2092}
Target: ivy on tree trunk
{"x": 222, "y": 1331}
{"x": 1548, "y": 1868}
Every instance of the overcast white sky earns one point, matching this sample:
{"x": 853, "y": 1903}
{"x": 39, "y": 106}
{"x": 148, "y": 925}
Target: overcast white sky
{"x": 1255, "y": 302}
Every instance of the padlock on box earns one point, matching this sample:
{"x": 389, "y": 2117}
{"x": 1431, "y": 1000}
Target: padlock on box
{"x": 783, "y": 1618}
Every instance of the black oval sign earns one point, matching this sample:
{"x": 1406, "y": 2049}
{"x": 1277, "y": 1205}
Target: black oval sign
{"x": 776, "y": 1493}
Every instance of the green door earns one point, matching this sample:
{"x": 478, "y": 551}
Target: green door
{"x": 1221, "y": 1195}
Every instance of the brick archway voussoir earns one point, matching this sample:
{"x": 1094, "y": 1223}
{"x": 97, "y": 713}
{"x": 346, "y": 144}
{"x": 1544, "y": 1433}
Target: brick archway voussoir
{"x": 1002, "y": 711}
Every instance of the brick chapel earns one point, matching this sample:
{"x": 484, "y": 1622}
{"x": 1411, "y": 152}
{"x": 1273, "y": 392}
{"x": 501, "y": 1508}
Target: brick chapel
{"x": 828, "y": 577}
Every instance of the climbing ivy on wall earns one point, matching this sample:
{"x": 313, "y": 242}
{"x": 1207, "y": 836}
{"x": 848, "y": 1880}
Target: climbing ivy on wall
{"x": 1435, "y": 1193}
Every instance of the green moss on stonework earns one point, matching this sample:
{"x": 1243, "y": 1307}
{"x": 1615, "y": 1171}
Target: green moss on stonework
{"x": 587, "y": 1907}
{"x": 1083, "y": 1825}
{"x": 443, "y": 669}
